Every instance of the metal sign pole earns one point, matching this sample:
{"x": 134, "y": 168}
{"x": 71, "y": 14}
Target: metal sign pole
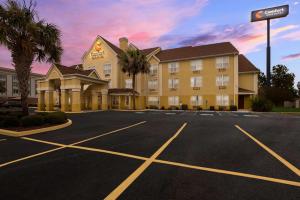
{"x": 268, "y": 54}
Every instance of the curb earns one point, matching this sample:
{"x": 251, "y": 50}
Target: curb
{"x": 35, "y": 131}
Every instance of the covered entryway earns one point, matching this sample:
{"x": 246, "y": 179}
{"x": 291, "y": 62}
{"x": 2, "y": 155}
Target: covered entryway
{"x": 245, "y": 97}
{"x": 72, "y": 90}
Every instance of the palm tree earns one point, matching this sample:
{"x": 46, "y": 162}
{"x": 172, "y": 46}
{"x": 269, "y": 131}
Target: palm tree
{"x": 29, "y": 39}
{"x": 133, "y": 62}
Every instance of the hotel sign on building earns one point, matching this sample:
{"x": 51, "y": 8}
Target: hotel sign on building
{"x": 270, "y": 13}
{"x": 97, "y": 51}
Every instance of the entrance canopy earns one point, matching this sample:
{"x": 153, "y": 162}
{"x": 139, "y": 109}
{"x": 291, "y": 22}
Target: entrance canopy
{"x": 75, "y": 89}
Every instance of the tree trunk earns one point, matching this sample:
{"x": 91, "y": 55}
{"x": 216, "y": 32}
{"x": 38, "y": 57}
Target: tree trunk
{"x": 133, "y": 92}
{"x": 23, "y": 69}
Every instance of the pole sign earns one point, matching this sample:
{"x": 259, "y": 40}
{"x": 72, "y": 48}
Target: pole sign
{"x": 270, "y": 13}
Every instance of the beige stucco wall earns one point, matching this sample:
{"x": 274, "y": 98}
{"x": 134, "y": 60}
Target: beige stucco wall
{"x": 249, "y": 81}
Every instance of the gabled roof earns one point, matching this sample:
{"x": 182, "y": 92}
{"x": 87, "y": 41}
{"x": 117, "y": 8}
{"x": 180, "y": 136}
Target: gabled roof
{"x": 245, "y": 65}
{"x": 114, "y": 47}
{"x": 193, "y": 52}
{"x": 64, "y": 70}
{"x": 242, "y": 90}
{"x": 149, "y": 50}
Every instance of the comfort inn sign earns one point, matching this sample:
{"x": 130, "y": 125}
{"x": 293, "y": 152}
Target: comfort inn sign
{"x": 97, "y": 52}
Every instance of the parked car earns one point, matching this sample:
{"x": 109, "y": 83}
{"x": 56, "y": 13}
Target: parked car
{"x": 12, "y": 103}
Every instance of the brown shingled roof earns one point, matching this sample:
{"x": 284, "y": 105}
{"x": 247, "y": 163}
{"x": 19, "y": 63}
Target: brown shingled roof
{"x": 245, "y": 65}
{"x": 71, "y": 70}
{"x": 149, "y": 50}
{"x": 190, "y": 52}
{"x": 114, "y": 47}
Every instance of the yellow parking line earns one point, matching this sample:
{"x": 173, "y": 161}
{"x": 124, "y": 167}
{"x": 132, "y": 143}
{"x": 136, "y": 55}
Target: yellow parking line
{"x": 270, "y": 151}
{"x": 232, "y": 173}
{"x": 130, "y": 179}
{"x": 62, "y": 146}
{"x": 177, "y": 164}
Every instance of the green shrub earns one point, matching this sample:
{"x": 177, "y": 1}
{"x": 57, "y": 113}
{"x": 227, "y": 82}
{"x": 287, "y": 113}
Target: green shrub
{"x": 162, "y": 108}
{"x": 184, "y": 107}
{"x": 199, "y": 108}
{"x": 153, "y": 107}
{"x": 43, "y": 113}
{"x": 56, "y": 118}
{"x": 32, "y": 120}
{"x": 233, "y": 108}
{"x": 261, "y": 105}
{"x": 212, "y": 108}
{"x": 222, "y": 108}
{"x": 173, "y": 108}
{"x": 10, "y": 121}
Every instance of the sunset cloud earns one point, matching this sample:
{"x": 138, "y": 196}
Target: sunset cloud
{"x": 291, "y": 57}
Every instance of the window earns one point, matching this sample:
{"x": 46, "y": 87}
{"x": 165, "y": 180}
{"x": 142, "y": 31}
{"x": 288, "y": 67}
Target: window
{"x": 107, "y": 69}
{"x": 196, "y": 100}
{"x": 115, "y": 100}
{"x": 196, "y": 81}
{"x": 196, "y": 65}
{"x": 15, "y": 86}
{"x": 128, "y": 83}
{"x": 173, "y": 67}
{"x": 152, "y": 84}
{"x": 222, "y": 62}
{"x": 173, "y": 101}
{"x": 153, "y": 101}
{"x": 153, "y": 69}
{"x": 3, "y": 83}
{"x": 222, "y": 100}
{"x": 222, "y": 80}
{"x": 173, "y": 83}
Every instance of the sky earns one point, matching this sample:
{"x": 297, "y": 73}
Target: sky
{"x": 170, "y": 24}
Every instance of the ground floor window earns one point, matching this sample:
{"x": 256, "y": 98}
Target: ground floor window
{"x": 196, "y": 100}
{"x": 222, "y": 100}
{"x": 128, "y": 83}
{"x": 115, "y": 100}
{"x": 153, "y": 101}
{"x": 173, "y": 101}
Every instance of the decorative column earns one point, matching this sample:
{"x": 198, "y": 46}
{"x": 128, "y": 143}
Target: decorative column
{"x": 76, "y": 100}
{"x": 49, "y": 100}
{"x": 64, "y": 100}
{"x": 120, "y": 102}
{"x": 41, "y": 101}
{"x": 104, "y": 93}
{"x": 95, "y": 100}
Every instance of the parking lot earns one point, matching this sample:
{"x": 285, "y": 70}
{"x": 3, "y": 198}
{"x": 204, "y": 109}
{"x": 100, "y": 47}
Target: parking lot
{"x": 157, "y": 155}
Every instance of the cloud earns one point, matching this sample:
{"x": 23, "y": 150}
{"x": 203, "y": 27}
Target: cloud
{"x": 247, "y": 37}
{"x": 292, "y": 36}
{"x": 143, "y": 22}
{"x": 291, "y": 57}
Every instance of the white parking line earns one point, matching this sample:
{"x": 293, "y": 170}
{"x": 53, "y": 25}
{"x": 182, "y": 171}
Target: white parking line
{"x": 139, "y": 112}
{"x": 170, "y": 113}
{"x": 206, "y": 114}
{"x": 250, "y": 115}
{"x": 219, "y": 114}
{"x": 1, "y": 140}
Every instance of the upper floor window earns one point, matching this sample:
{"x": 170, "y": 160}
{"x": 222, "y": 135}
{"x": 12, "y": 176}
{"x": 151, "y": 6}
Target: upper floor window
{"x": 152, "y": 84}
{"x": 222, "y": 62}
{"x": 222, "y": 80}
{"x": 128, "y": 83}
{"x": 173, "y": 83}
{"x": 107, "y": 69}
{"x": 196, "y": 81}
{"x": 173, "y": 67}
{"x": 153, "y": 100}
{"x": 173, "y": 101}
{"x": 153, "y": 69}
{"x": 196, "y": 65}
{"x": 222, "y": 100}
{"x": 196, "y": 100}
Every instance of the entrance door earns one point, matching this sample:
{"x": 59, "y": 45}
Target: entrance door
{"x": 241, "y": 102}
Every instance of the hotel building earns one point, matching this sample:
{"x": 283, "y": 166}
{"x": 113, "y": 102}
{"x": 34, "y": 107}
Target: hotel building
{"x": 198, "y": 76}
{"x": 8, "y": 79}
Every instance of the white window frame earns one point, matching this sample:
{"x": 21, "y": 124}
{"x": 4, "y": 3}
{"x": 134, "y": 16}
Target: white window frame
{"x": 152, "y": 84}
{"x": 173, "y": 83}
{"x": 222, "y": 80}
{"x": 153, "y": 69}
{"x": 222, "y": 100}
{"x": 107, "y": 69}
{"x": 196, "y": 81}
{"x": 196, "y": 65}
{"x": 128, "y": 83}
{"x": 196, "y": 100}
{"x": 173, "y": 100}
{"x": 222, "y": 62}
{"x": 153, "y": 100}
{"x": 173, "y": 67}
